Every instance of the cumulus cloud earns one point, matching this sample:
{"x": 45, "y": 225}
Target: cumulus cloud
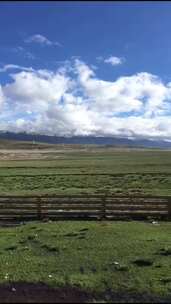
{"x": 140, "y": 92}
{"x": 42, "y": 40}
{"x": 73, "y": 101}
{"x": 35, "y": 91}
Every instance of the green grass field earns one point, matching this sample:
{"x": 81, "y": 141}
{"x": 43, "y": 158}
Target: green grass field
{"x": 94, "y": 256}
{"x": 92, "y": 171}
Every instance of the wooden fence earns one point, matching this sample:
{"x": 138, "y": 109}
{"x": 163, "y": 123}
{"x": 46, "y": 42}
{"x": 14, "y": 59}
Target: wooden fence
{"x": 84, "y": 207}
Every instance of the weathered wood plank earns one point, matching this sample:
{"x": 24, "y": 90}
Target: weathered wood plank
{"x": 136, "y": 212}
{"x": 82, "y": 196}
{"x": 136, "y": 207}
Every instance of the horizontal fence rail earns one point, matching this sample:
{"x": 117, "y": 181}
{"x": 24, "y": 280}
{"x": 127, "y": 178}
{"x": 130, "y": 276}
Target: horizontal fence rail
{"x": 82, "y": 206}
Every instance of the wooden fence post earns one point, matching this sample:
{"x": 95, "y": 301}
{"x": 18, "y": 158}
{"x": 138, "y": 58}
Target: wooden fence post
{"x": 103, "y": 208}
{"x": 39, "y": 209}
{"x": 169, "y": 207}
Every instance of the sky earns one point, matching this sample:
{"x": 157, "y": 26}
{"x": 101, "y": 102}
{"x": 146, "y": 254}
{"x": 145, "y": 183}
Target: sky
{"x": 86, "y": 68}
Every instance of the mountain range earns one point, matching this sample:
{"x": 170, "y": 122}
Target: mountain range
{"x": 109, "y": 141}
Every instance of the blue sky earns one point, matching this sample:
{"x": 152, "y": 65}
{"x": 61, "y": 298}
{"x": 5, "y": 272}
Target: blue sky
{"x": 138, "y": 31}
{"x": 80, "y": 38}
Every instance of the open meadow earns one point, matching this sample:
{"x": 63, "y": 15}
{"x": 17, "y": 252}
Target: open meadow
{"x": 87, "y": 261}
{"x": 81, "y": 170}
{"x": 107, "y": 261}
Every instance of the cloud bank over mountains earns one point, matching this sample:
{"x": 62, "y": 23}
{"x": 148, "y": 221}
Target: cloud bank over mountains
{"x": 73, "y": 101}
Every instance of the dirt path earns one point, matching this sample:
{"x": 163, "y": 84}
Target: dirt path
{"x": 41, "y": 293}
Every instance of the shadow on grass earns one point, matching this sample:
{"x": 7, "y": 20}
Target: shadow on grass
{"x": 22, "y": 292}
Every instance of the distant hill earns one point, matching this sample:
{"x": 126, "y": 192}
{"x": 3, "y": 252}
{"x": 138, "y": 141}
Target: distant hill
{"x": 19, "y": 144}
{"x": 31, "y": 140}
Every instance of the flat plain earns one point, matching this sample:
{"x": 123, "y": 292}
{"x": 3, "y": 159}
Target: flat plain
{"x": 97, "y": 261}
{"x": 85, "y": 169}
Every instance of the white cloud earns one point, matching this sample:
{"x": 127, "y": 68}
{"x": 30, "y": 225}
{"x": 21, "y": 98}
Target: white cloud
{"x": 73, "y": 101}
{"x": 40, "y": 39}
{"x": 35, "y": 90}
{"x": 104, "y": 95}
{"x": 16, "y": 67}
{"x": 1, "y": 96}
{"x": 113, "y": 60}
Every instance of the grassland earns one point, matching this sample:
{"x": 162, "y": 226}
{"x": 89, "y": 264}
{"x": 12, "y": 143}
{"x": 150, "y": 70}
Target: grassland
{"x": 132, "y": 257}
{"x": 90, "y": 170}
{"x": 100, "y": 258}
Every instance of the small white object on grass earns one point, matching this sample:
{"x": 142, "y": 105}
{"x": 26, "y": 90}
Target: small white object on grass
{"x": 155, "y": 223}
